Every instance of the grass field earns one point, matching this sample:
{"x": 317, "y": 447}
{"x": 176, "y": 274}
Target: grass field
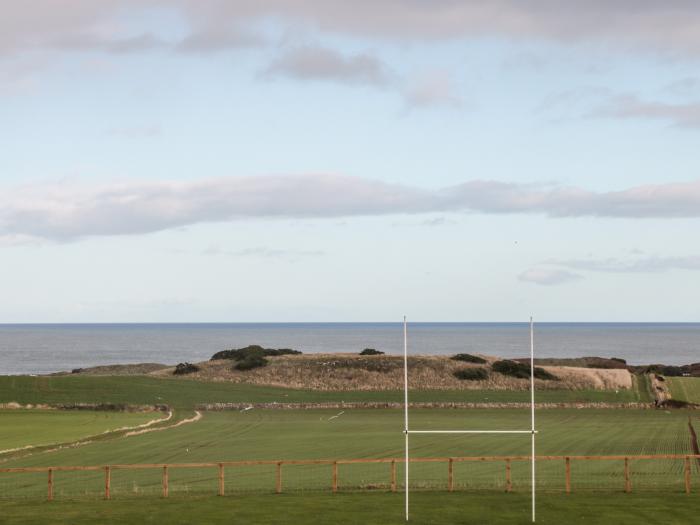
{"x": 21, "y": 428}
{"x": 367, "y": 509}
{"x": 184, "y": 394}
{"x": 371, "y": 433}
{"x": 685, "y": 388}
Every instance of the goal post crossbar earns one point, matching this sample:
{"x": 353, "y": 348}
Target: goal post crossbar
{"x": 532, "y": 430}
{"x": 471, "y": 431}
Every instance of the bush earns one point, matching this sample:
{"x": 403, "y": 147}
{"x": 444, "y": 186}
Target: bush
{"x": 521, "y": 370}
{"x": 469, "y": 358}
{"x": 250, "y": 362}
{"x": 371, "y": 351}
{"x": 185, "y": 368}
{"x": 253, "y": 350}
{"x": 471, "y": 374}
{"x": 672, "y": 371}
{"x": 666, "y": 370}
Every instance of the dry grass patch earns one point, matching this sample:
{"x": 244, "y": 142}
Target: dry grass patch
{"x": 344, "y": 372}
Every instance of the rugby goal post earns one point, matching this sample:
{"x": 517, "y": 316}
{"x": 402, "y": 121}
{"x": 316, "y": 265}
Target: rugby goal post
{"x": 407, "y": 431}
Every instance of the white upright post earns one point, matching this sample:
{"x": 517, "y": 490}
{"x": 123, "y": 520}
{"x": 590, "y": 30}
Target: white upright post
{"x": 532, "y": 410}
{"x": 405, "y": 408}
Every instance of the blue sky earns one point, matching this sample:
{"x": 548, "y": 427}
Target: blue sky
{"x": 328, "y": 161}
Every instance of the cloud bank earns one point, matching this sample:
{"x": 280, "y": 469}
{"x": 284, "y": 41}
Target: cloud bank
{"x": 71, "y": 210}
{"x": 671, "y": 27}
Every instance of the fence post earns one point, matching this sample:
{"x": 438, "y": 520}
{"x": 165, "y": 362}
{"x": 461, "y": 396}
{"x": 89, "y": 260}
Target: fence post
{"x": 221, "y": 479}
{"x": 687, "y": 475}
{"x": 165, "y": 481}
{"x": 50, "y": 494}
{"x": 334, "y": 485}
{"x": 509, "y": 483}
{"x": 568, "y": 475}
{"x": 393, "y": 475}
{"x": 628, "y": 481}
{"x": 450, "y": 475}
{"x": 279, "y": 477}
{"x": 108, "y": 482}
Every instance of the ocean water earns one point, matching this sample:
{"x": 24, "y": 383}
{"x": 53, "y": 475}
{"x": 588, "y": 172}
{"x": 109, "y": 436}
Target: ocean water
{"x": 40, "y": 349}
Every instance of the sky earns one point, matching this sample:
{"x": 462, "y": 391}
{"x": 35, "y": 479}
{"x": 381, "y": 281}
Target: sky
{"x": 324, "y": 160}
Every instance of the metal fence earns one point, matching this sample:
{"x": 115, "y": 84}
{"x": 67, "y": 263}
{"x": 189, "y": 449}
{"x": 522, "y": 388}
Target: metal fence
{"x": 496, "y": 473}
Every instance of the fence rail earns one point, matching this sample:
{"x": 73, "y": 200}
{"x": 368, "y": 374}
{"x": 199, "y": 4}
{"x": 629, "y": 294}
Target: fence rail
{"x": 624, "y": 473}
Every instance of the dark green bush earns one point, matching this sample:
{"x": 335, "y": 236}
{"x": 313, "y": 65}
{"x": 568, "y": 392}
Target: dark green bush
{"x": 371, "y": 351}
{"x": 469, "y": 358}
{"x": 471, "y": 374}
{"x": 672, "y": 371}
{"x": 253, "y": 350}
{"x": 250, "y": 362}
{"x": 185, "y": 368}
{"x": 520, "y": 370}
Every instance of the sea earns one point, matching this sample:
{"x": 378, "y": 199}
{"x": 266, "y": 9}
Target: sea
{"x": 48, "y": 348}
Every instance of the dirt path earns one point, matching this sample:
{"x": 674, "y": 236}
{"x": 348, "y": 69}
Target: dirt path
{"x": 197, "y": 416}
{"x": 53, "y": 447}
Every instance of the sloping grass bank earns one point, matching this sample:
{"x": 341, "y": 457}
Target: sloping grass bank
{"x": 186, "y": 394}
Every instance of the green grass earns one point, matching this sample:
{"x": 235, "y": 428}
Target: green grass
{"x": 307, "y": 434}
{"x": 685, "y": 388}
{"x": 434, "y": 508}
{"x": 311, "y": 434}
{"x": 21, "y": 428}
{"x": 184, "y": 394}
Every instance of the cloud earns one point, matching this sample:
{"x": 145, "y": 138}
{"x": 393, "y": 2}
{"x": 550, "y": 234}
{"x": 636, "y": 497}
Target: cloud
{"x": 672, "y": 27}
{"x": 92, "y": 42}
{"x": 319, "y": 63}
{"x": 65, "y": 211}
{"x": 548, "y": 276}
{"x": 684, "y": 115}
{"x": 432, "y": 89}
{"x": 687, "y": 86}
{"x": 653, "y": 264}
{"x": 207, "y": 41}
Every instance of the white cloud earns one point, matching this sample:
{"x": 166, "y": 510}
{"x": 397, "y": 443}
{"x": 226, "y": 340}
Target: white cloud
{"x": 319, "y": 63}
{"x": 652, "y": 264}
{"x": 684, "y": 115}
{"x": 71, "y": 210}
{"x": 548, "y": 276}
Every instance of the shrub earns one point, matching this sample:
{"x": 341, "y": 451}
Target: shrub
{"x": 185, "y": 368}
{"x": 471, "y": 374}
{"x": 250, "y": 362}
{"x": 666, "y": 370}
{"x": 521, "y": 370}
{"x": 469, "y": 358}
{"x": 672, "y": 371}
{"x": 371, "y": 351}
{"x": 253, "y": 350}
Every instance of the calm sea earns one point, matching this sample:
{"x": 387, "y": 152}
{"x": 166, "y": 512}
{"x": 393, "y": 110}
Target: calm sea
{"x": 40, "y": 349}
